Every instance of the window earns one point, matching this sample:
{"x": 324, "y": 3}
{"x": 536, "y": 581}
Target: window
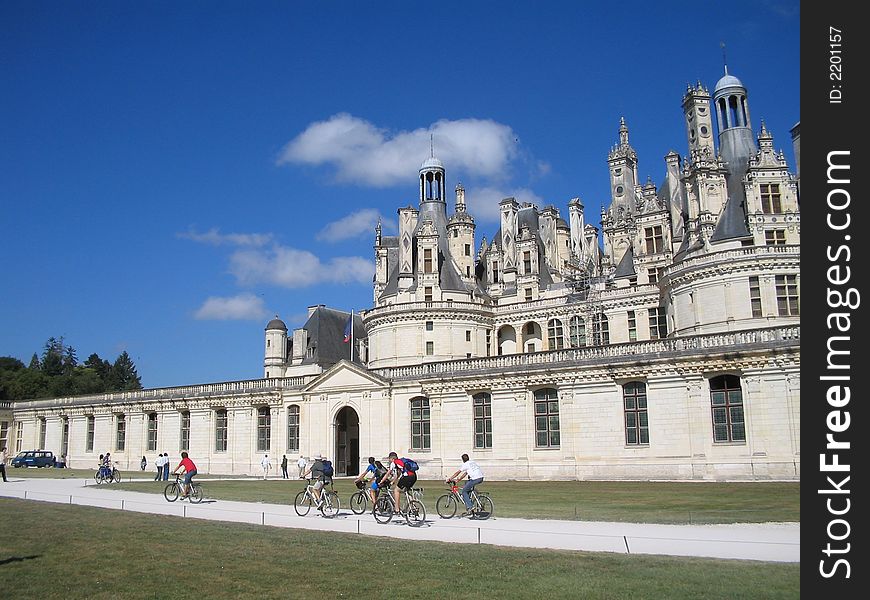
{"x": 64, "y": 438}
{"x": 184, "y": 442}
{"x": 42, "y": 427}
{"x": 430, "y": 325}
{"x": 427, "y": 294}
{"x": 546, "y": 418}
{"x": 293, "y": 429}
{"x": 770, "y": 199}
{"x": 427, "y": 260}
{"x": 774, "y": 237}
{"x": 120, "y": 433}
{"x": 264, "y": 429}
{"x": 653, "y": 274}
{"x": 726, "y": 398}
{"x": 467, "y": 335}
{"x": 495, "y": 272}
{"x": 488, "y": 342}
{"x": 468, "y": 271}
{"x": 555, "y": 334}
{"x": 632, "y": 326}
{"x": 4, "y": 434}
{"x": 653, "y": 241}
{"x": 636, "y": 419}
{"x": 467, "y": 249}
{"x": 578, "y": 332}
{"x": 527, "y": 263}
{"x": 421, "y": 438}
{"x": 482, "y": 420}
{"x": 658, "y": 323}
{"x": 430, "y": 348}
{"x": 89, "y": 436}
{"x": 755, "y": 296}
{"x": 528, "y": 294}
{"x": 152, "y": 431}
{"x": 787, "y": 296}
{"x": 19, "y": 437}
{"x": 220, "y": 430}
{"x": 600, "y": 329}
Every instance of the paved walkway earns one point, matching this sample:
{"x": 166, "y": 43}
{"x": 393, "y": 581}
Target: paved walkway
{"x": 767, "y": 541}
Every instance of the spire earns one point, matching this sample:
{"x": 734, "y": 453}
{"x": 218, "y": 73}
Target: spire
{"x": 623, "y": 132}
{"x": 724, "y": 57}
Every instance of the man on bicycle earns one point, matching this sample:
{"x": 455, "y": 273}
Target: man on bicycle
{"x": 474, "y": 473}
{"x": 397, "y": 471}
{"x": 189, "y": 472}
{"x": 315, "y": 471}
{"x": 374, "y": 471}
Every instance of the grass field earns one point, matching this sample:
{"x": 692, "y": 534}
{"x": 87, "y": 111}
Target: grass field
{"x": 50, "y": 551}
{"x": 639, "y": 502}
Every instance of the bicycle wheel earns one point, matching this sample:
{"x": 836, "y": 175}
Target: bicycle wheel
{"x": 331, "y": 504}
{"x": 195, "y": 493}
{"x": 116, "y": 475}
{"x": 446, "y": 506}
{"x": 171, "y": 492}
{"x": 359, "y": 502}
{"x": 302, "y": 503}
{"x": 383, "y": 510}
{"x": 486, "y": 507}
{"x": 97, "y": 478}
{"x": 416, "y": 514}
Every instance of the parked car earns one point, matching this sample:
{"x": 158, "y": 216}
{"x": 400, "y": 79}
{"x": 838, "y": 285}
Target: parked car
{"x": 34, "y": 458}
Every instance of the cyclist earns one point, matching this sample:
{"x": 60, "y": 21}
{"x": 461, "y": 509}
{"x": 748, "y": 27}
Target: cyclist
{"x": 373, "y": 472}
{"x": 316, "y": 472}
{"x": 474, "y": 473}
{"x": 189, "y": 472}
{"x": 401, "y": 476}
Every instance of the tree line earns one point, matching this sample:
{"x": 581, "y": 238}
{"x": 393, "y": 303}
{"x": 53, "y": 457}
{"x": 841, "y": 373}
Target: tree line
{"x": 58, "y": 373}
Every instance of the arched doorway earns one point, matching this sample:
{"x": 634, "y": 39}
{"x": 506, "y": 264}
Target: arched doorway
{"x": 346, "y": 442}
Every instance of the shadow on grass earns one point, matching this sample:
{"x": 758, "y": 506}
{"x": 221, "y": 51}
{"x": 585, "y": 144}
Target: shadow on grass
{"x": 13, "y": 559}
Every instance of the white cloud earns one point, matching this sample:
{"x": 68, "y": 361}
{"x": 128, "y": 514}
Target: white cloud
{"x": 483, "y": 202}
{"x": 214, "y": 237}
{"x": 293, "y": 268}
{"x": 357, "y": 224}
{"x": 241, "y": 307}
{"x": 368, "y": 155}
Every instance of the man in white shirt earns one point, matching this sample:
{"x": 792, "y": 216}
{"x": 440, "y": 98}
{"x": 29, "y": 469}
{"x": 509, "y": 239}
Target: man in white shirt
{"x": 474, "y": 473}
{"x": 159, "y": 464}
{"x": 301, "y": 464}
{"x": 266, "y": 464}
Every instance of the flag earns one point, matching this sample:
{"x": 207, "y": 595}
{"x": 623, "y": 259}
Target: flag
{"x": 347, "y": 329}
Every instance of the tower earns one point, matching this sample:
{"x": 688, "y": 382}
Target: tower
{"x": 276, "y": 348}
{"x": 699, "y": 120}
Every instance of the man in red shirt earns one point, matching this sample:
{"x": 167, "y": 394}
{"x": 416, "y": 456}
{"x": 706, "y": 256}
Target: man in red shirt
{"x": 399, "y": 476}
{"x": 189, "y": 472}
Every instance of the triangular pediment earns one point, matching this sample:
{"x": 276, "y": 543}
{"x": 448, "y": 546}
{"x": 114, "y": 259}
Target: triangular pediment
{"x": 345, "y": 375}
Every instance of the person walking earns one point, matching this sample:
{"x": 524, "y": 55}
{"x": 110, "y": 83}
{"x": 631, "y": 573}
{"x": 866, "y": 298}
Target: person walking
{"x": 166, "y": 462}
{"x": 3, "y": 459}
{"x": 159, "y": 464}
{"x": 143, "y": 463}
{"x": 284, "y": 468}
{"x": 301, "y": 464}
{"x": 266, "y": 464}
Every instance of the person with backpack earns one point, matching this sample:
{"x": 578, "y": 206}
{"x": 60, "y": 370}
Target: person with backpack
{"x": 318, "y": 471}
{"x": 373, "y": 472}
{"x": 402, "y": 472}
{"x": 474, "y": 473}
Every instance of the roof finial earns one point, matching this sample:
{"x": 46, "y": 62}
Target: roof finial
{"x": 431, "y": 145}
{"x": 724, "y": 57}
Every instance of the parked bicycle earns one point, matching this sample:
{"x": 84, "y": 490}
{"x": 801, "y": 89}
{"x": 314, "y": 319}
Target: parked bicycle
{"x": 173, "y": 490}
{"x": 306, "y": 499}
{"x": 482, "y": 506}
{"x": 105, "y": 474}
{"x": 412, "y": 507}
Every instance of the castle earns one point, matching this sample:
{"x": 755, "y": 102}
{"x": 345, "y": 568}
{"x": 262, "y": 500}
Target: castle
{"x": 664, "y": 345}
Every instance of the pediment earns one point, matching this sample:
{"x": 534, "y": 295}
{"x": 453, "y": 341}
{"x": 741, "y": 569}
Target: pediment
{"x": 345, "y": 376}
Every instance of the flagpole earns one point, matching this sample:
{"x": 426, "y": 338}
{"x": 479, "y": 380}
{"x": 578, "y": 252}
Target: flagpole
{"x": 351, "y": 335}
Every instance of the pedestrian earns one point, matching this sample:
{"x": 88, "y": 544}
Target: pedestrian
{"x": 266, "y": 464}
{"x": 3, "y": 459}
{"x": 166, "y": 466}
{"x": 159, "y": 464}
{"x": 144, "y": 463}
{"x": 284, "y": 468}
{"x": 301, "y": 464}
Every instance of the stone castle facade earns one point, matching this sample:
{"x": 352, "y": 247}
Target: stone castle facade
{"x": 664, "y": 345}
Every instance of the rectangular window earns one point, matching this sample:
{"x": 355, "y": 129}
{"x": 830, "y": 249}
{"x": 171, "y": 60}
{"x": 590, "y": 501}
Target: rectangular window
{"x": 421, "y": 436}
{"x": 430, "y": 348}
{"x": 220, "y": 430}
{"x": 467, "y": 249}
{"x": 184, "y": 443}
{"x": 755, "y": 296}
{"x": 427, "y": 260}
{"x": 293, "y": 429}
{"x": 427, "y": 294}
{"x": 653, "y": 274}
{"x": 770, "y": 199}
{"x": 658, "y": 324}
{"x": 120, "y": 433}
{"x": 578, "y": 332}
{"x": 488, "y": 342}
{"x": 467, "y": 336}
{"x": 632, "y": 326}
{"x": 726, "y": 398}
{"x": 19, "y": 437}
{"x": 430, "y": 325}
{"x": 546, "y": 419}
{"x": 528, "y": 294}
{"x": 482, "y": 420}
{"x": 636, "y": 418}
{"x": 89, "y": 436}
{"x": 787, "y": 296}
{"x": 152, "y": 431}
{"x": 774, "y": 237}
{"x": 264, "y": 429}
{"x": 42, "y": 427}
{"x": 600, "y": 329}
{"x": 495, "y": 272}
{"x": 653, "y": 240}
{"x": 527, "y": 263}
{"x": 64, "y": 439}
{"x": 4, "y": 434}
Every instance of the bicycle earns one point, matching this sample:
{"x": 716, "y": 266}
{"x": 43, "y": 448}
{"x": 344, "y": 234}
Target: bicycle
{"x": 330, "y": 504}
{"x": 482, "y": 506}
{"x": 103, "y": 475}
{"x": 359, "y": 500}
{"x": 174, "y": 488}
{"x": 414, "y": 512}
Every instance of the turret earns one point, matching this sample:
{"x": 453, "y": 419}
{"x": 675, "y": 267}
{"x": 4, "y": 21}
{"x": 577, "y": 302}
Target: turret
{"x": 276, "y": 348}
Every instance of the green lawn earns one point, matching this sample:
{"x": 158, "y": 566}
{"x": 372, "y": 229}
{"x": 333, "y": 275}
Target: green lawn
{"x": 60, "y": 551}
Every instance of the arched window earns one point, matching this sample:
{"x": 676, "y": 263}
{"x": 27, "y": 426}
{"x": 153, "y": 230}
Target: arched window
{"x": 184, "y": 441}
{"x": 600, "y": 329}
{"x": 220, "y": 430}
{"x": 555, "y": 334}
{"x": 726, "y": 399}
{"x": 636, "y": 419}
{"x": 293, "y": 429}
{"x": 421, "y": 437}
{"x": 264, "y": 429}
{"x": 578, "y": 332}
{"x": 482, "y": 420}
{"x": 546, "y": 418}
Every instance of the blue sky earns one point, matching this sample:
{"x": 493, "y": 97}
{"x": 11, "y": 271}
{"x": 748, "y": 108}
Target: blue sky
{"x": 174, "y": 174}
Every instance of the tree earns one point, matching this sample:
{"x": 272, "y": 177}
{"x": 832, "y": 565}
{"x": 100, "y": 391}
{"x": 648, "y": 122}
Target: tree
{"x": 124, "y": 372}
{"x": 34, "y": 363}
{"x": 52, "y": 357}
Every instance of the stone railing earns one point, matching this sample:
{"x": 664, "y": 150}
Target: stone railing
{"x": 791, "y": 251}
{"x": 637, "y": 350}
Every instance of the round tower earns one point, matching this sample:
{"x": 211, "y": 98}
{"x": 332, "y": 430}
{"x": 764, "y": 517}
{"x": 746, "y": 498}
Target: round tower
{"x": 276, "y": 348}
